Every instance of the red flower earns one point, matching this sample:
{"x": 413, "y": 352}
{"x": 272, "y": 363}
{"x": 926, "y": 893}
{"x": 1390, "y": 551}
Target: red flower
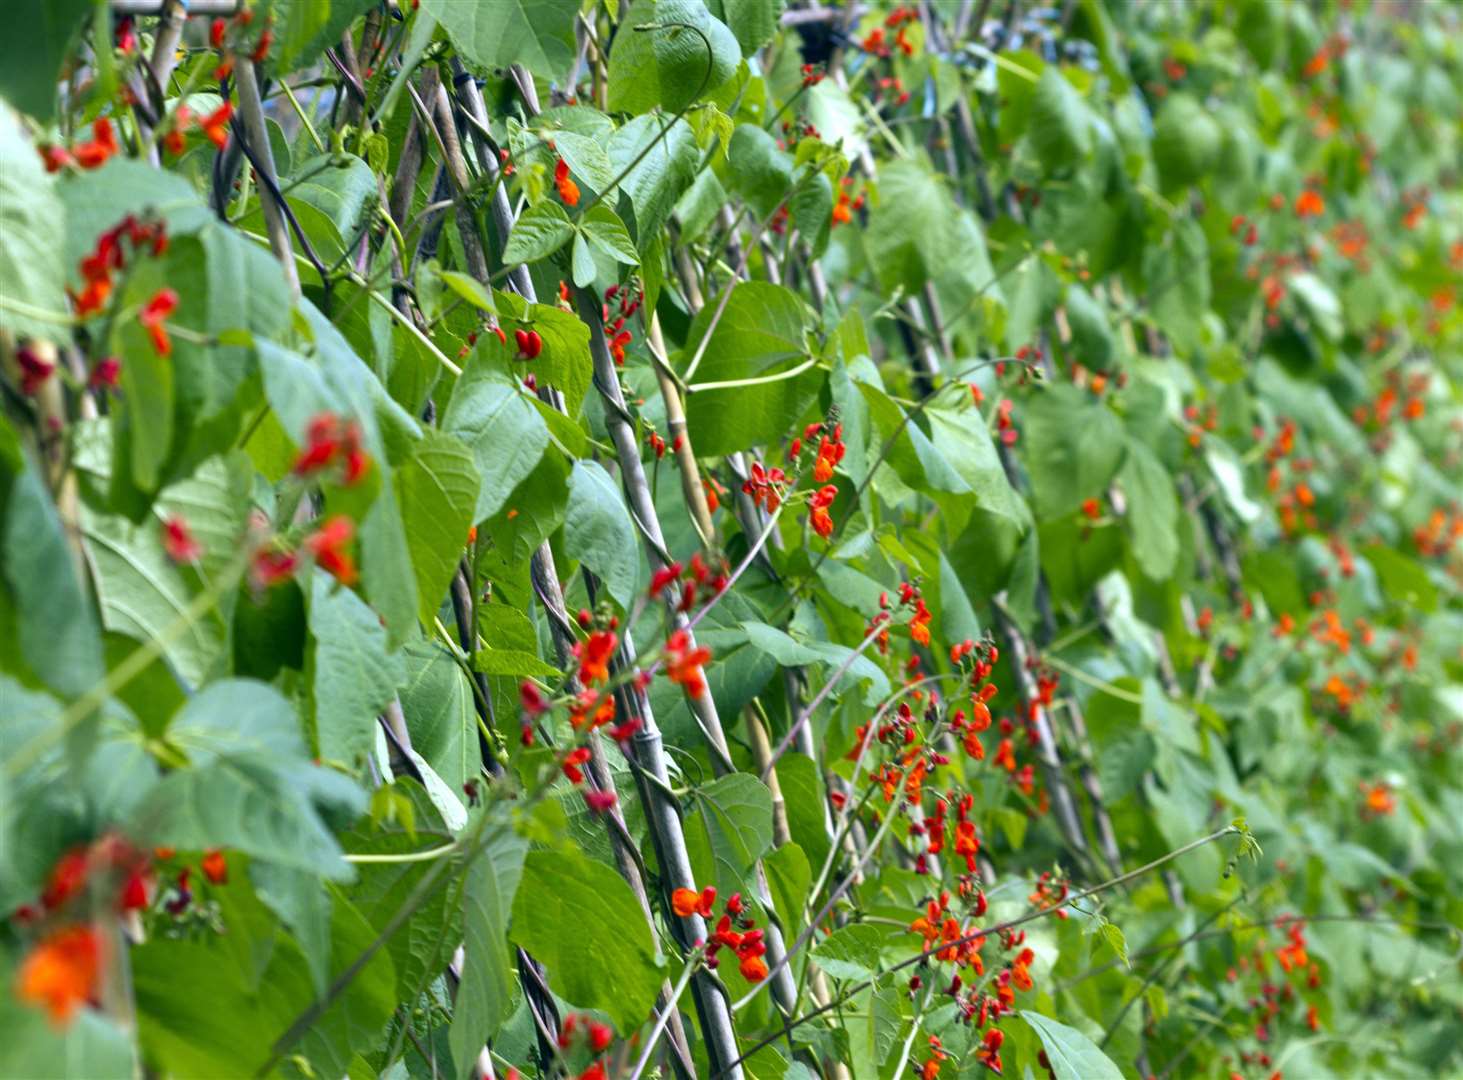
{"x": 216, "y": 33}
{"x": 568, "y": 189}
{"x": 35, "y": 369}
{"x": 68, "y": 877}
{"x": 575, "y": 758}
{"x": 533, "y": 702}
{"x": 216, "y": 124}
{"x": 134, "y": 891}
{"x": 55, "y": 158}
{"x": 102, "y": 146}
{"x": 599, "y": 802}
{"x": 178, "y": 541}
{"x": 818, "y": 516}
{"x": 163, "y": 304}
{"x": 830, "y": 453}
{"x": 269, "y": 567}
{"x": 594, "y": 656}
{"x": 328, "y": 439}
{"x": 683, "y": 663}
{"x": 330, "y": 547}
{"x": 107, "y": 373}
{"x": 1092, "y": 508}
{"x": 600, "y": 1036}
{"x": 753, "y": 968}
{"x": 61, "y": 972}
{"x": 261, "y": 50}
{"x": 215, "y": 867}
{"x": 663, "y": 577}
{"x": 173, "y": 140}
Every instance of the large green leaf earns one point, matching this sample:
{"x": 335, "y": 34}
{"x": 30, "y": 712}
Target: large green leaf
{"x": 1059, "y": 130}
{"x": 539, "y": 34}
{"x": 491, "y": 414}
{"x": 1073, "y": 1056}
{"x": 32, "y": 273}
{"x": 249, "y": 786}
{"x": 32, "y": 53}
{"x": 142, "y": 593}
{"x": 353, "y": 675}
{"x": 440, "y": 714}
{"x": 485, "y": 995}
{"x": 676, "y": 50}
{"x": 759, "y": 336}
{"x": 565, "y": 900}
{"x": 1075, "y": 445}
{"x": 664, "y": 158}
{"x": 1153, "y": 511}
{"x": 57, "y": 628}
{"x": 542, "y": 230}
{"x": 735, "y": 814}
{"x": 598, "y": 531}
{"x": 437, "y": 490}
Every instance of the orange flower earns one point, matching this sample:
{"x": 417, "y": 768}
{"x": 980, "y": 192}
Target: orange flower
{"x": 216, "y": 124}
{"x": 753, "y": 968}
{"x": 683, "y": 663}
{"x": 1309, "y": 204}
{"x": 688, "y": 902}
{"x": 568, "y": 189}
{"x": 61, "y": 972}
{"x": 818, "y": 515}
{"x": 163, "y": 304}
{"x": 594, "y": 656}
{"x": 102, "y": 146}
{"x": 330, "y": 547}
{"x": 215, "y": 867}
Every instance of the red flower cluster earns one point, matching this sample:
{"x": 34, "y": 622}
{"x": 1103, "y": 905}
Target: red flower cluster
{"x": 215, "y": 126}
{"x": 329, "y": 441}
{"x": 98, "y": 268}
{"x": 700, "y": 578}
{"x": 629, "y": 302}
{"x": 734, "y": 931}
{"x": 91, "y": 154}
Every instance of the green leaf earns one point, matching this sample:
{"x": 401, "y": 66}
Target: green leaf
{"x": 57, "y": 629}
{"x": 658, "y": 179}
{"x": 789, "y": 879}
{"x": 564, "y": 362}
{"x": 352, "y": 675}
{"x": 790, "y": 652}
{"x": 491, "y": 415}
{"x": 32, "y": 272}
{"x": 470, "y": 289}
{"x": 917, "y": 234}
{"x": 437, "y": 490}
{"x": 91, "y": 1047}
{"x": 754, "y": 22}
{"x": 141, "y": 591}
{"x": 674, "y": 52}
{"x": 1186, "y": 141}
{"x": 250, "y": 786}
{"x": 1073, "y": 1056}
{"x": 762, "y": 173}
{"x": 598, "y": 531}
{"x": 541, "y": 230}
{"x": 484, "y": 998}
{"x": 607, "y": 234}
{"x": 32, "y": 53}
{"x": 735, "y": 812}
{"x": 1059, "y": 132}
{"x": 851, "y": 952}
{"x": 1153, "y": 511}
{"x": 441, "y": 715}
{"x": 759, "y": 336}
{"x": 1074, "y": 448}
{"x": 565, "y": 900}
{"x": 581, "y": 262}
{"x": 539, "y": 34}
{"x": 306, "y": 28}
